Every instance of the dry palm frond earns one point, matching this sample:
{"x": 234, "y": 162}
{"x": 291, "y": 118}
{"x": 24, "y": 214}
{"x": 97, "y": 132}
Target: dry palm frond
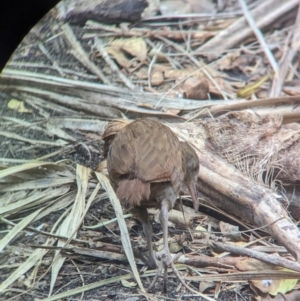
{"x": 36, "y": 200}
{"x": 123, "y": 228}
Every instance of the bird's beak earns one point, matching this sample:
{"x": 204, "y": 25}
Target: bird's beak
{"x": 194, "y": 194}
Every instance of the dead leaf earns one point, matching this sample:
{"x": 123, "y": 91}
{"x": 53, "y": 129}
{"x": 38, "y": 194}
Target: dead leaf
{"x": 205, "y": 285}
{"x": 142, "y": 73}
{"x": 161, "y": 67}
{"x": 252, "y": 264}
{"x": 282, "y": 286}
{"x": 261, "y": 286}
{"x": 266, "y": 286}
{"x": 18, "y": 106}
{"x": 157, "y": 78}
{"x": 195, "y": 88}
{"x": 174, "y": 247}
{"x": 160, "y": 57}
{"x": 136, "y": 47}
{"x": 118, "y": 55}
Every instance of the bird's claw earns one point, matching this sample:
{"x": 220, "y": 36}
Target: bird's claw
{"x": 164, "y": 257}
{"x": 164, "y": 260}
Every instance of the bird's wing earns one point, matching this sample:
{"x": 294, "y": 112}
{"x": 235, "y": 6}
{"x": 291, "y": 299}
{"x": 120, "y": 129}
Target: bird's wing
{"x": 148, "y": 150}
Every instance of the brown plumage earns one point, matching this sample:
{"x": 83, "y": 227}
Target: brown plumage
{"x": 147, "y": 165}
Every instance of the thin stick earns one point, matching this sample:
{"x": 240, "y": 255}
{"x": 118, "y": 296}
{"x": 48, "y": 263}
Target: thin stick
{"x": 259, "y": 37}
{"x": 276, "y": 260}
{"x": 288, "y": 58}
{"x": 152, "y": 63}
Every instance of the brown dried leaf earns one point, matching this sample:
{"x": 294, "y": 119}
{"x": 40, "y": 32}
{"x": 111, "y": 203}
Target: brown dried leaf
{"x": 252, "y": 264}
{"x": 118, "y": 55}
{"x": 157, "y": 78}
{"x": 205, "y": 285}
{"x": 160, "y": 56}
{"x": 142, "y": 73}
{"x": 196, "y": 88}
{"x": 274, "y": 287}
{"x": 136, "y": 47}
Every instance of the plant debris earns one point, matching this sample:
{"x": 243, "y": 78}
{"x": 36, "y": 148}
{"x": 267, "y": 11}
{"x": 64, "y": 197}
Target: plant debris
{"x": 224, "y": 77}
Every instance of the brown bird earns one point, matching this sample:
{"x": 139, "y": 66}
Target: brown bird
{"x": 147, "y": 165}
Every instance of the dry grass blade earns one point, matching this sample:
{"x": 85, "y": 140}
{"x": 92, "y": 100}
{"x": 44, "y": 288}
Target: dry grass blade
{"x": 123, "y": 229}
{"x": 37, "y": 184}
{"x": 18, "y": 228}
{"x": 19, "y": 168}
{"x": 259, "y": 36}
{"x": 33, "y": 200}
{"x": 71, "y": 223}
{"x": 19, "y": 202}
{"x": 62, "y": 202}
{"x": 58, "y": 142}
{"x": 246, "y": 276}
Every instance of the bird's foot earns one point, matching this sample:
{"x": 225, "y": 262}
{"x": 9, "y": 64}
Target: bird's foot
{"x": 164, "y": 260}
{"x": 164, "y": 257}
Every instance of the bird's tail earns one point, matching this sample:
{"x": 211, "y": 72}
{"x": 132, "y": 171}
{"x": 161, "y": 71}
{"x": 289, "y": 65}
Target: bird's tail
{"x": 132, "y": 192}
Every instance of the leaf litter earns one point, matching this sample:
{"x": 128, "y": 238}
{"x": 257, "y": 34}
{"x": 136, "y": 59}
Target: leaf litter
{"x": 200, "y": 63}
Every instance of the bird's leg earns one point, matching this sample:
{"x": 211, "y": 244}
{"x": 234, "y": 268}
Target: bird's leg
{"x": 164, "y": 256}
{"x": 142, "y": 215}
